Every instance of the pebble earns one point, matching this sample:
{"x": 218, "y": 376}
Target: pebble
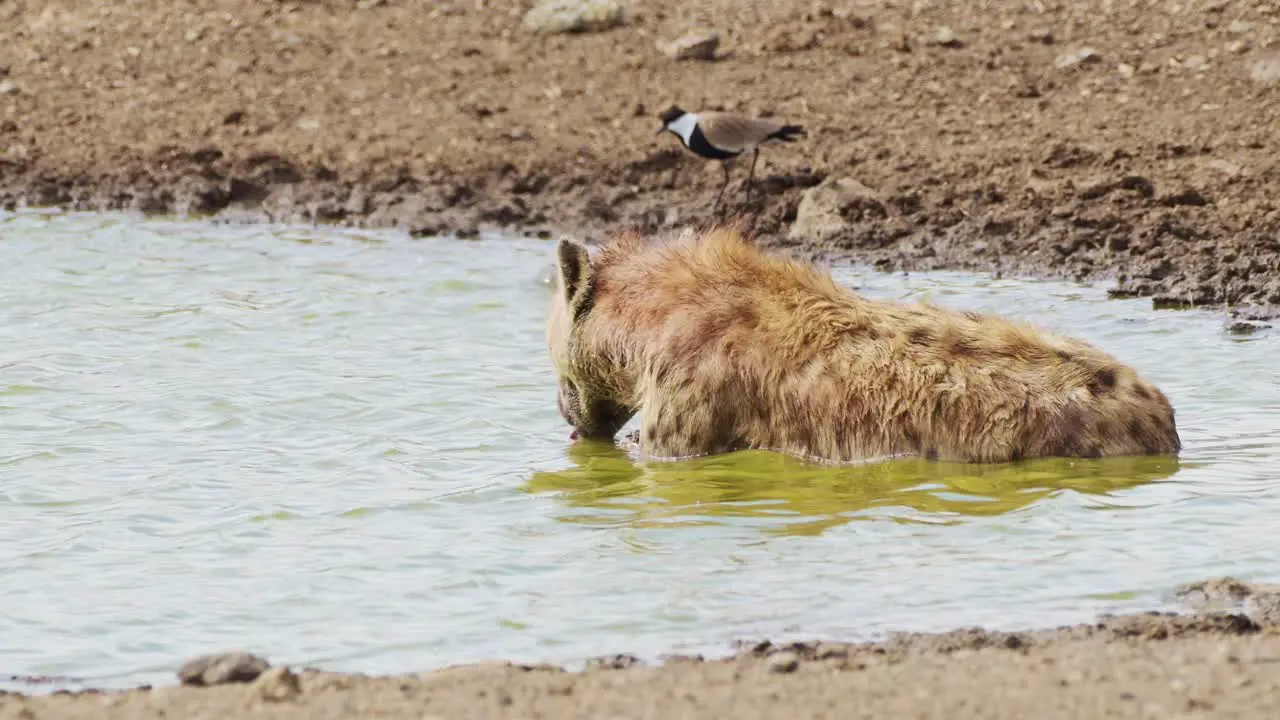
{"x": 783, "y": 662}
{"x": 1083, "y": 56}
{"x": 1243, "y": 328}
{"x": 945, "y": 37}
{"x": 1263, "y": 607}
{"x": 1266, "y": 71}
{"x": 695, "y": 45}
{"x": 278, "y": 685}
{"x": 1239, "y": 27}
{"x": 1041, "y": 36}
{"x": 222, "y": 668}
{"x": 613, "y": 662}
{"x": 568, "y": 16}
{"x": 827, "y": 651}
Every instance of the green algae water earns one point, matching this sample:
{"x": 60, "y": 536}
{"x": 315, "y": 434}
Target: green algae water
{"x": 342, "y": 448}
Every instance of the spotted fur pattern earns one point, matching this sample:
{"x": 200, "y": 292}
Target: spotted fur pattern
{"x": 722, "y": 346}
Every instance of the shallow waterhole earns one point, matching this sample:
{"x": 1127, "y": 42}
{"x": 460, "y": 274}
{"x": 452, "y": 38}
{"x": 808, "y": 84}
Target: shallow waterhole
{"x": 342, "y": 448}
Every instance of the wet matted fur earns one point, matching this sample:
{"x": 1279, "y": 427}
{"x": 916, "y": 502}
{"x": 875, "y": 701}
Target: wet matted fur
{"x": 723, "y": 346}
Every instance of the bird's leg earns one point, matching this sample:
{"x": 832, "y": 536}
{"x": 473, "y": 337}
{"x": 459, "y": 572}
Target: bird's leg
{"x": 725, "y": 167}
{"x": 755, "y": 155}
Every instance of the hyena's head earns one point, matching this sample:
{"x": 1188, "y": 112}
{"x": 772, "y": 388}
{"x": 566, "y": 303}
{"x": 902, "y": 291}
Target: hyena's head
{"x": 586, "y": 378}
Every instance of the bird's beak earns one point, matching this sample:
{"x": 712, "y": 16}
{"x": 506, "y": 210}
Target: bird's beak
{"x": 661, "y": 130}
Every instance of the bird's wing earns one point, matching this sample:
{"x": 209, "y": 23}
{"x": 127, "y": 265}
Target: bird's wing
{"x": 730, "y": 131}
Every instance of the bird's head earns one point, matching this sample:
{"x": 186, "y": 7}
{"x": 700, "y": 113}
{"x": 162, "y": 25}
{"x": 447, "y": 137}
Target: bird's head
{"x": 668, "y": 116}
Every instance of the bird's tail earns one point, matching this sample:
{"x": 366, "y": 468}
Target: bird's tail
{"x": 788, "y": 133}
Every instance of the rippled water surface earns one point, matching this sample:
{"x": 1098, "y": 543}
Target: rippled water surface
{"x": 342, "y": 448}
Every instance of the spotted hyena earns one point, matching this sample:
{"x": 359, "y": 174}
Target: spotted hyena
{"x": 723, "y": 346}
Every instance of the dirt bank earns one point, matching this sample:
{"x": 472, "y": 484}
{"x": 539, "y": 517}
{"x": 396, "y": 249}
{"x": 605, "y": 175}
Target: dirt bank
{"x": 1131, "y": 140}
{"x": 1221, "y": 664}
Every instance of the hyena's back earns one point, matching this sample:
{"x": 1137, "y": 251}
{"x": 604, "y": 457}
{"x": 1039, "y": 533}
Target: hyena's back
{"x": 721, "y": 346}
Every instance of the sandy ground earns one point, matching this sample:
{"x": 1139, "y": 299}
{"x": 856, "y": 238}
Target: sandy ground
{"x": 1131, "y": 140}
{"x": 1223, "y": 662}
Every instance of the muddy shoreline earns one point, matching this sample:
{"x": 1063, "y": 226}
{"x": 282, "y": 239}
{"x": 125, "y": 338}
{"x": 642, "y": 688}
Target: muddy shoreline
{"x": 1219, "y": 660}
{"x": 1178, "y": 266}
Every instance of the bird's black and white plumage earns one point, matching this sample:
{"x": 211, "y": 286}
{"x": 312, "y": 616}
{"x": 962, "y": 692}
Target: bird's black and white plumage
{"x": 726, "y": 136}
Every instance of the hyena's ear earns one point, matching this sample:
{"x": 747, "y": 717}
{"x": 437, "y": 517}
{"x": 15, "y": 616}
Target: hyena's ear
{"x": 576, "y": 277}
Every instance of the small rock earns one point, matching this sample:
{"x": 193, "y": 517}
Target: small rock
{"x": 945, "y": 37}
{"x": 612, "y": 662}
{"x": 1083, "y": 56}
{"x": 1041, "y": 36}
{"x": 1259, "y": 602}
{"x": 1266, "y": 71}
{"x": 573, "y": 16}
{"x": 1196, "y": 63}
{"x": 9, "y": 87}
{"x": 277, "y": 685}
{"x": 1239, "y": 27}
{"x": 831, "y": 207}
{"x": 1126, "y": 70}
{"x": 517, "y": 134}
{"x": 783, "y": 662}
{"x": 695, "y": 45}
{"x": 827, "y": 651}
{"x": 1248, "y": 327}
{"x": 1215, "y": 594}
{"x": 222, "y": 668}
{"x": 1263, "y": 607}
